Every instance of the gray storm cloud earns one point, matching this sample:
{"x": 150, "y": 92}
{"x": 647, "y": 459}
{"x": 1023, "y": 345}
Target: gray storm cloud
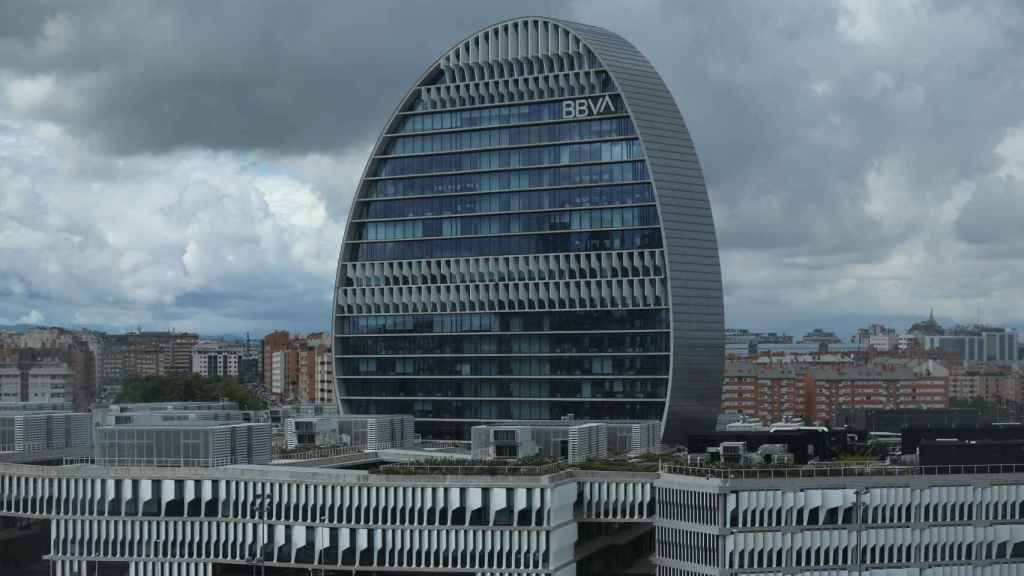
{"x": 191, "y": 164}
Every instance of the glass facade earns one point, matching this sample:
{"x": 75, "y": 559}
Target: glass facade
{"x": 505, "y": 257}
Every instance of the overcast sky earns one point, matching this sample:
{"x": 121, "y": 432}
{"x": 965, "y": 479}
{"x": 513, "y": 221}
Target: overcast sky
{"x": 191, "y": 164}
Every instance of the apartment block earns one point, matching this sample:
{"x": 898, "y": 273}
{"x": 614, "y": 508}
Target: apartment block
{"x": 815, "y": 393}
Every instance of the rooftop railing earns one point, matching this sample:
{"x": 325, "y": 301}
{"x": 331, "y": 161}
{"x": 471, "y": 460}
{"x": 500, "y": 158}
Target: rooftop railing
{"x": 472, "y": 469}
{"x": 835, "y": 470}
{"x": 332, "y": 451}
{"x": 151, "y": 462}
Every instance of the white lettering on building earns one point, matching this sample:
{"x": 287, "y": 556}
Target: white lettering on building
{"x": 587, "y": 107}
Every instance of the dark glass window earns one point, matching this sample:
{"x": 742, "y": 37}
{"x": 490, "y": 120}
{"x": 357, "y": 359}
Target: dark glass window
{"x": 496, "y": 116}
{"x": 505, "y": 366}
{"x": 595, "y": 241}
{"x": 572, "y": 343}
{"x": 613, "y": 151}
{"x": 510, "y": 223}
{"x": 507, "y": 201}
{"x": 510, "y": 409}
{"x": 564, "y": 321}
{"x": 514, "y": 136}
{"x": 604, "y": 387}
{"x": 509, "y": 180}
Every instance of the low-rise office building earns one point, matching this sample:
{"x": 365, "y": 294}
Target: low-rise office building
{"x": 807, "y": 521}
{"x": 370, "y": 432}
{"x": 181, "y": 434}
{"x": 570, "y": 440}
{"x": 192, "y": 443}
{"x": 33, "y": 431}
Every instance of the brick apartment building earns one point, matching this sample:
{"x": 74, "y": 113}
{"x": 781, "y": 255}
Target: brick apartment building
{"x": 814, "y": 393}
{"x": 298, "y": 368}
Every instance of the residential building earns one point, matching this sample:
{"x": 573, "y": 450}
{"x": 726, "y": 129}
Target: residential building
{"x": 884, "y": 342}
{"x": 815, "y": 392}
{"x": 141, "y": 354}
{"x": 878, "y": 386}
{"x": 296, "y": 368}
{"x": 217, "y": 359}
{"x": 276, "y": 341}
{"x": 38, "y": 375}
{"x": 770, "y": 393}
{"x": 988, "y": 382}
{"x": 514, "y": 238}
{"x": 325, "y": 384}
{"x": 864, "y": 335}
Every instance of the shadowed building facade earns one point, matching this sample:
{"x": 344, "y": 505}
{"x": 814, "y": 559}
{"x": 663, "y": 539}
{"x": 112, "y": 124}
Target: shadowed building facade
{"x": 532, "y": 239}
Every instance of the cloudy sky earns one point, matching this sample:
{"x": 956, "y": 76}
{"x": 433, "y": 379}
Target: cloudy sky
{"x": 191, "y": 164}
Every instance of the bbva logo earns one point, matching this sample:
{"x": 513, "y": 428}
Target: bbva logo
{"x": 587, "y": 107}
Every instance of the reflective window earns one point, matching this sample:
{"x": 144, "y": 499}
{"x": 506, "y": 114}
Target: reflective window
{"x": 505, "y": 366}
{"x": 496, "y": 116}
{"x": 510, "y": 158}
{"x": 510, "y": 223}
{"x": 564, "y": 321}
{"x": 638, "y": 388}
{"x": 508, "y": 201}
{"x": 576, "y": 343}
{"x": 515, "y": 136}
{"x": 508, "y": 410}
{"x": 595, "y": 241}
{"x": 509, "y": 180}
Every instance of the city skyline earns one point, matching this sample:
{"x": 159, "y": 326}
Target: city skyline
{"x": 844, "y": 168}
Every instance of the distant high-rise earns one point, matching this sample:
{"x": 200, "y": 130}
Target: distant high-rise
{"x": 532, "y": 239}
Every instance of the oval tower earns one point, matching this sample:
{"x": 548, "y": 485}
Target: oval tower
{"x": 531, "y": 240}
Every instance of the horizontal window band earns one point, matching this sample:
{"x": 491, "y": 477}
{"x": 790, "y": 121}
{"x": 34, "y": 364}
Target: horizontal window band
{"x": 533, "y": 333}
{"x": 506, "y": 169}
{"x": 528, "y": 232}
{"x": 508, "y": 213}
{"x": 605, "y": 310}
{"x": 506, "y": 376}
{"x": 510, "y": 104}
{"x": 506, "y": 398}
{"x": 506, "y": 190}
{"x": 513, "y": 355}
{"x": 509, "y": 147}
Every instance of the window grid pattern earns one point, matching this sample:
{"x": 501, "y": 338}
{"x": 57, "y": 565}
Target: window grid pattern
{"x": 590, "y": 258}
{"x": 573, "y": 197}
{"x": 513, "y": 121}
{"x": 513, "y": 136}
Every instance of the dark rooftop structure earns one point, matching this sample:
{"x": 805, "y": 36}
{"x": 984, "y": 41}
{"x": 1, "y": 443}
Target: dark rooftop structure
{"x": 897, "y": 419}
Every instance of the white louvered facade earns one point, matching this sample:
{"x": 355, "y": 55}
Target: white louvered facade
{"x": 630, "y": 279}
{"x": 941, "y": 525}
{"x": 183, "y": 521}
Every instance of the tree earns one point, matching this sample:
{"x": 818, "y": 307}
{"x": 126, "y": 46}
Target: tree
{"x": 189, "y": 388}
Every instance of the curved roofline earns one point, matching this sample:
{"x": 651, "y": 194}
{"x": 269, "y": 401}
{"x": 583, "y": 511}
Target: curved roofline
{"x": 693, "y": 270}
